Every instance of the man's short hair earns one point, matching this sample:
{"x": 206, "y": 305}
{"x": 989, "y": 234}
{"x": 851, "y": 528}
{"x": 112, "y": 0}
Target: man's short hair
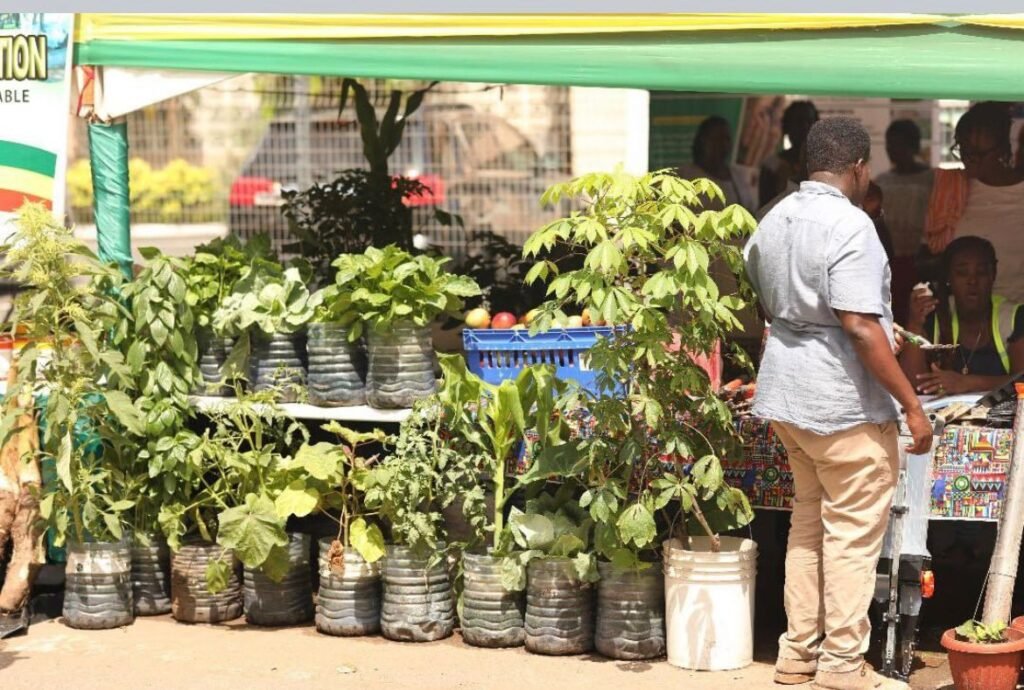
{"x": 835, "y": 144}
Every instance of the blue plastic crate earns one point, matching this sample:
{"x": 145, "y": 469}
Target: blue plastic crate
{"x": 499, "y": 354}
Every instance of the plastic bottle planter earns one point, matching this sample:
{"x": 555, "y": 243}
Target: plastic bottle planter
{"x": 213, "y": 354}
{"x": 279, "y": 361}
{"x": 151, "y": 577}
{"x": 491, "y": 615}
{"x": 401, "y": 367}
{"x": 630, "y": 613}
{"x": 288, "y": 602}
{"x": 191, "y": 600}
{"x": 418, "y": 604}
{"x": 337, "y": 367}
{"x": 709, "y": 603}
{"x": 98, "y": 586}
{"x": 349, "y": 602}
{"x": 559, "y": 609}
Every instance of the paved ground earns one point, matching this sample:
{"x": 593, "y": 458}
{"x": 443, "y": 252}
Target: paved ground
{"x": 160, "y": 653}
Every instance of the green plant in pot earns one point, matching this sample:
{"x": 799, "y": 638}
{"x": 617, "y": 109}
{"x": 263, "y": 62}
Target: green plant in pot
{"x": 556, "y": 565}
{"x": 984, "y": 655}
{"x": 406, "y": 489}
{"x": 268, "y": 309}
{"x": 236, "y": 471}
{"x": 330, "y": 478}
{"x": 491, "y": 422}
{"x": 398, "y": 296}
{"x": 210, "y": 275}
{"x": 150, "y": 399}
{"x": 68, "y": 313}
{"x": 650, "y": 254}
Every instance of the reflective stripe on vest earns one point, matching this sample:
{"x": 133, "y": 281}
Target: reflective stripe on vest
{"x": 1004, "y": 315}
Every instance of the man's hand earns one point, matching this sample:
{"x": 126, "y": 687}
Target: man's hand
{"x": 921, "y": 429}
{"x": 872, "y": 345}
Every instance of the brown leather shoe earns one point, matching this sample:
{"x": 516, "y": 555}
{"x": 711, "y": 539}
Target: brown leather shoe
{"x": 863, "y": 678}
{"x": 794, "y": 672}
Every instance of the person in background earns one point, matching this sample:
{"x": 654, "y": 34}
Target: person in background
{"x": 829, "y": 383}
{"x": 711, "y": 155}
{"x": 779, "y": 169}
{"x": 906, "y": 187}
{"x": 986, "y": 198}
{"x": 988, "y": 328}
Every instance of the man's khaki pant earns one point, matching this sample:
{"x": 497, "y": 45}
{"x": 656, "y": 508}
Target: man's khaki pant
{"x": 844, "y": 484}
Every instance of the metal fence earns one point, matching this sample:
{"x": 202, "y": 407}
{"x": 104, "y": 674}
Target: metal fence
{"x": 224, "y": 154}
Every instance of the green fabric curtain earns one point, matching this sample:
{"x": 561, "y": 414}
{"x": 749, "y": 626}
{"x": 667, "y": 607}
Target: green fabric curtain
{"x": 901, "y": 62}
{"x": 108, "y": 152}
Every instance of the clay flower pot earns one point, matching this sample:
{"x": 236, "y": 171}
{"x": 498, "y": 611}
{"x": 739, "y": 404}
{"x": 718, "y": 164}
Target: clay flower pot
{"x": 985, "y": 666}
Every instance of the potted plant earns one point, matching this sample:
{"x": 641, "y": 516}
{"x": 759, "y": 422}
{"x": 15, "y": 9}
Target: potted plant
{"x": 646, "y": 264}
{"x": 68, "y": 314}
{"x": 276, "y": 584}
{"x": 557, "y": 567}
{"x": 417, "y": 604}
{"x": 269, "y": 309}
{"x": 491, "y": 422}
{"x": 210, "y": 275}
{"x": 150, "y": 398}
{"x": 330, "y": 478}
{"x": 984, "y": 657}
{"x": 397, "y": 296}
{"x": 337, "y": 360}
{"x": 230, "y": 519}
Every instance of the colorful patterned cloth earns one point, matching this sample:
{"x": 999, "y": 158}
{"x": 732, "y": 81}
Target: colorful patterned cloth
{"x": 969, "y": 469}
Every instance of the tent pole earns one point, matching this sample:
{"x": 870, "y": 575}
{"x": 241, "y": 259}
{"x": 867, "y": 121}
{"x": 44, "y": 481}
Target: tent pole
{"x": 1002, "y": 572}
{"x": 108, "y": 157}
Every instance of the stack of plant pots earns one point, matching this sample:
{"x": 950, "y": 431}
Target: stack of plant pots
{"x": 418, "y": 605}
{"x": 559, "y": 609}
{"x": 401, "y": 366}
{"x": 348, "y": 602}
{"x": 191, "y": 600}
{"x": 491, "y": 615}
{"x": 337, "y": 367}
{"x": 630, "y": 613}
{"x": 98, "y": 586}
{"x": 278, "y": 362}
{"x": 288, "y": 602}
{"x": 151, "y": 582}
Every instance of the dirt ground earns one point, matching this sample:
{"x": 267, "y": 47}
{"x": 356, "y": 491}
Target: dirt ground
{"x": 160, "y": 653}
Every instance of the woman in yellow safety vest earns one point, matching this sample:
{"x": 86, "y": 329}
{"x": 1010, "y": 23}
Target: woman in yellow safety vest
{"x": 988, "y": 329}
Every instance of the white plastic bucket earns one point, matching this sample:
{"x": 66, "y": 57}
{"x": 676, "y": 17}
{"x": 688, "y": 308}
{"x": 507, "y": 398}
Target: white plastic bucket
{"x": 709, "y": 603}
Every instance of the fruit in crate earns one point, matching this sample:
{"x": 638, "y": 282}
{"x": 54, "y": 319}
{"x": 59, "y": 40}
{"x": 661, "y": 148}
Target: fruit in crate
{"x": 575, "y": 322}
{"x": 504, "y": 319}
{"x": 478, "y": 318}
{"x": 519, "y": 327}
{"x": 530, "y": 316}
{"x": 586, "y": 317}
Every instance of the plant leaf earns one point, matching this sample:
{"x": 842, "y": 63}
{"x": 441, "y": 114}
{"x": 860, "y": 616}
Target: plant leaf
{"x": 297, "y": 499}
{"x": 252, "y": 530}
{"x": 366, "y": 539}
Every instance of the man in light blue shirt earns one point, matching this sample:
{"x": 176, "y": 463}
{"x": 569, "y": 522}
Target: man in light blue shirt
{"x": 827, "y": 382}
